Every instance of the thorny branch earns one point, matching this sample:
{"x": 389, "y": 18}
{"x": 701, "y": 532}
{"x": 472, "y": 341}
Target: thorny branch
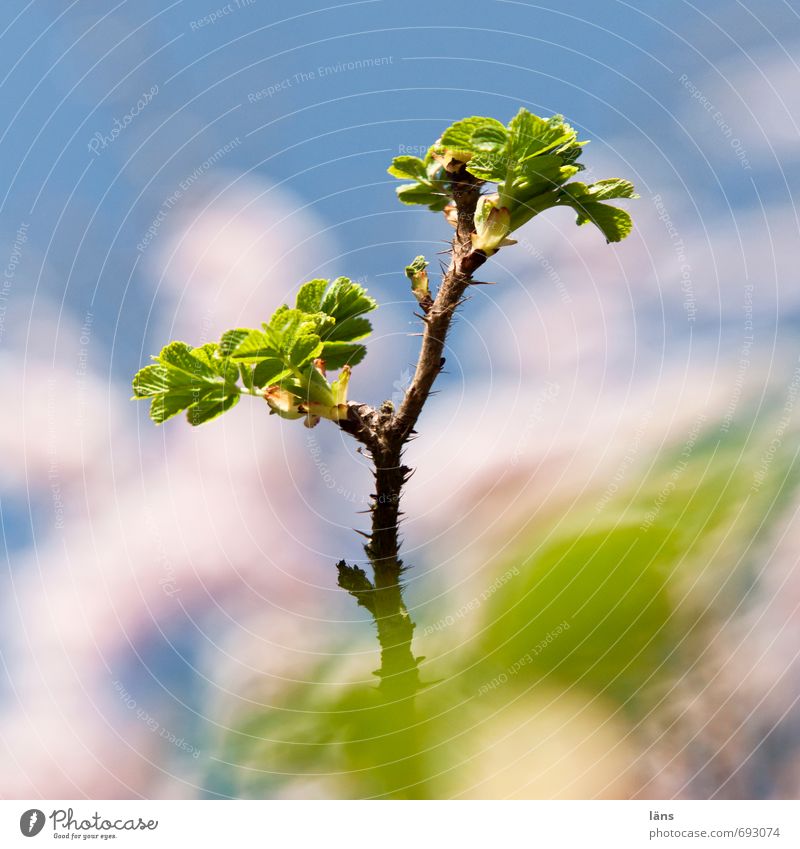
{"x": 385, "y": 433}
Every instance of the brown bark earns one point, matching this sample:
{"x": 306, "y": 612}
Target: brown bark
{"x": 385, "y": 434}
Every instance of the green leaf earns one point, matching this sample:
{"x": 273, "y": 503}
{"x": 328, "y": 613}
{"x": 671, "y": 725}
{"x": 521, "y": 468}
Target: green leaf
{"x": 349, "y": 330}
{"x": 270, "y": 371}
{"x": 408, "y": 168}
{"x": 311, "y": 386}
{"x": 151, "y": 380}
{"x": 260, "y": 349}
{"x": 326, "y": 321}
{"x": 212, "y": 405}
{"x": 430, "y": 187}
{"x": 615, "y": 223}
{"x": 475, "y": 135}
{"x": 253, "y": 347}
{"x": 423, "y": 194}
{"x": 345, "y": 299}
{"x": 530, "y": 160}
{"x": 231, "y": 340}
{"x": 310, "y": 295}
{"x": 540, "y": 174}
{"x": 531, "y": 135}
{"x": 246, "y": 373}
{"x": 211, "y": 355}
{"x": 338, "y": 354}
{"x": 609, "y": 189}
{"x": 178, "y": 355}
{"x": 304, "y": 347}
{"x": 601, "y": 190}
{"x": 569, "y": 153}
{"x": 488, "y": 166}
{"x": 184, "y": 377}
{"x": 287, "y": 326}
{"x": 165, "y": 406}
{"x": 284, "y": 325}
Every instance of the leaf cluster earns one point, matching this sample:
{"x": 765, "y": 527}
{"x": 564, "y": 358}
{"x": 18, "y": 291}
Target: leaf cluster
{"x": 286, "y": 360}
{"x": 531, "y": 160}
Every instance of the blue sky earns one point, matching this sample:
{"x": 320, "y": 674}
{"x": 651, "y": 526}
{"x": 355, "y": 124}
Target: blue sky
{"x": 613, "y": 69}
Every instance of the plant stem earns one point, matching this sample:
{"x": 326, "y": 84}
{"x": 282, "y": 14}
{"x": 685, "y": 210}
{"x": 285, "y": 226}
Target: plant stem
{"x": 385, "y": 434}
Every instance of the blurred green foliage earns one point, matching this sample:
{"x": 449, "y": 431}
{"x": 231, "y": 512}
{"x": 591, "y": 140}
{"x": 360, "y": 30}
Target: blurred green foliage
{"x": 610, "y": 599}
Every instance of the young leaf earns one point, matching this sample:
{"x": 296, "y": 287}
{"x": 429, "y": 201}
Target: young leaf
{"x": 474, "y": 135}
{"x": 348, "y": 330}
{"x": 408, "y": 168}
{"x": 615, "y": 223}
{"x": 345, "y": 299}
{"x": 310, "y": 295}
{"x": 609, "y": 189}
{"x": 268, "y": 371}
{"x": 186, "y": 378}
{"x": 424, "y": 194}
{"x": 417, "y": 274}
{"x": 540, "y": 174}
{"x": 430, "y": 186}
{"x": 488, "y": 166}
{"x": 231, "y": 340}
{"x": 339, "y": 354}
{"x": 531, "y": 160}
{"x": 212, "y": 405}
{"x": 248, "y": 346}
{"x": 530, "y": 135}
{"x": 601, "y": 190}
{"x": 304, "y": 347}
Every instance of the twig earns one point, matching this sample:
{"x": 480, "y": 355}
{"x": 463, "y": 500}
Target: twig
{"x": 385, "y": 434}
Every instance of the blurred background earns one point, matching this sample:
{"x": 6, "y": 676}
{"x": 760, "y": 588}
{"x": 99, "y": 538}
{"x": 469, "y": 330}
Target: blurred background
{"x": 601, "y": 532}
